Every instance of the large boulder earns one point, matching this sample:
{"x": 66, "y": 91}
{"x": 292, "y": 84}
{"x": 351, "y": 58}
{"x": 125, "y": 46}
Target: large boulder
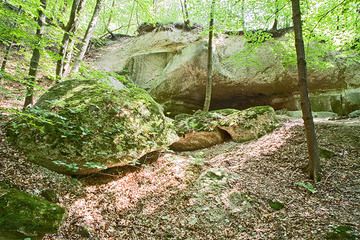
{"x": 84, "y": 126}
{"x": 22, "y": 213}
{"x": 205, "y": 129}
{"x": 172, "y": 66}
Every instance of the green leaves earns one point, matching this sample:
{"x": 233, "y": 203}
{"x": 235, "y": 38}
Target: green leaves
{"x": 73, "y": 167}
{"x": 276, "y": 205}
{"x": 308, "y": 186}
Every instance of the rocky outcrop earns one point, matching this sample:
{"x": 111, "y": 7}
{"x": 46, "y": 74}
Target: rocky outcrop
{"x": 172, "y": 66}
{"x": 84, "y": 126}
{"x": 202, "y": 130}
{"x": 22, "y": 213}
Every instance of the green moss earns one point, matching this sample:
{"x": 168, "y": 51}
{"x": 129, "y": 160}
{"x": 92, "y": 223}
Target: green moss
{"x": 24, "y": 213}
{"x": 209, "y": 121}
{"x": 343, "y": 232}
{"x": 87, "y": 124}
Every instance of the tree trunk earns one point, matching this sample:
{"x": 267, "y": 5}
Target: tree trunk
{"x": 88, "y": 35}
{"x": 208, "y": 92}
{"x": 8, "y": 47}
{"x": 243, "y": 15}
{"x": 34, "y": 62}
{"x": 68, "y": 57}
{"x": 275, "y": 25}
{"x": 131, "y": 16}
{"x": 312, "y": 145}
{"x": 70, "y": 30}
{"x": 185, "y": 13}
{"x": 110, "y": 17}
{"x": 6, "y": 56}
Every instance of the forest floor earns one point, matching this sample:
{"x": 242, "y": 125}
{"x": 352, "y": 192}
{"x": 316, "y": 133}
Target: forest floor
{"x": 229, "y": 191}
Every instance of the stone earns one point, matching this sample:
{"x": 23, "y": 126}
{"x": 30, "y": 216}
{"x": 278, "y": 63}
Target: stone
{"x": 198, "y": 140}
{"x": 84, "y": 126}
{"x": 22, "y": 213}
{"x": 354, "y": 114}
{"x": 249, "y": 124}
{"x": 172, "y": 66}
{"x": 202, "y": 129}
{"x": 298, "y": 114}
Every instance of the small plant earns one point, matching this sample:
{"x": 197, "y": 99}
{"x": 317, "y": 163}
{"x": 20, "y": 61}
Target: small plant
{"x": 70, "y": 166}
{"x": 307, "y": 186}
{"x": 198, "y": 159}
{"x": 276, "y": 205}
{"x": 95, "y": 165}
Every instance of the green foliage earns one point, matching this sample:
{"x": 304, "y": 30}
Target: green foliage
{"x": 257, "y": 37}
{"x": 342, "y": 232}
{"x": 198, "y": 159}
{"x": 73, "y": 167}
{"x": 308, "y": 186}
{"x": 276, "y": 205}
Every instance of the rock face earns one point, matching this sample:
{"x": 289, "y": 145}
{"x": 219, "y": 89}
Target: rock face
{"x": 84, "y": 126}
{"x": 203, "y": 130}
{"x": 26, "y": 214}
{"x": 172, "y": 66}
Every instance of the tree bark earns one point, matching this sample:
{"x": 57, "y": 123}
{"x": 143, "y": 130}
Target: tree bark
{"x": 88, "y": 35}
{"x": 6, "y": 56}
{"x": 312, "y": 144}
{"x": 243, "y": 15}
{"x": 187, "y": 18}
{"x": 275, "y": 24}
{"x": 8, "y": 47}
{"x": 131, "y": 16}
{"x": 70, "y": 30}
{"x": 34, "y": 62}
{"x": 68, "y": 57}
{"x": 110, "y": 16}
{"x": 209, "y": 82}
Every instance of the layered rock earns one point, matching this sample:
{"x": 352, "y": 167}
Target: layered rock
{"x": 202, "y": 130}
{"x": 172, "y": 66}
{"x": 84, "y": 126}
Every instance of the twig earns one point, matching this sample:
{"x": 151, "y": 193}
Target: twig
{"x": 324, "y": 15}
{"x": 328, "y": 176}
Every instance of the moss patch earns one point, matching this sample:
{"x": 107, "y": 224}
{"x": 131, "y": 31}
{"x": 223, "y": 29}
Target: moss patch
{"x": 83, "y": 126}
{"x": 240, "y": 125}
{"x": 27, "y": 214}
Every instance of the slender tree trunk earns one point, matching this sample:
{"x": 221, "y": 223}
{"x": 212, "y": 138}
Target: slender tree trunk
{"x": 6, "y": 56}
{"x": 243, "y": 15}
{"x": 88, "y": 35}
{"x": 187, "y": 18}
{"x": 70, "y": 30}
{"x": 110, "y": 17}
{"x": 312, "y": 144}
{"x": 68, "y": 57}
{"x": 131, "y": 16}
{"x": 275, "y": 25}
{"x": 34, "y": 62}
{"x": 209, "y": 82}
{"x": 8, "y": 47}
{"x": 183, "y": 10}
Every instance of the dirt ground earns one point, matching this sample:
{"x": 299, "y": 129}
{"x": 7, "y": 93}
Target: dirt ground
{"x": 246, "y": 190}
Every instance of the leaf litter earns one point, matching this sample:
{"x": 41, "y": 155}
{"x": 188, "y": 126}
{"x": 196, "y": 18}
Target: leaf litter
{"x": 223, "y": 192}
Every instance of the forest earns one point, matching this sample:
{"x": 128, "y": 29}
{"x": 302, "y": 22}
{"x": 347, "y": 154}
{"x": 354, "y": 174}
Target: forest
{"x": 179, "y": 119}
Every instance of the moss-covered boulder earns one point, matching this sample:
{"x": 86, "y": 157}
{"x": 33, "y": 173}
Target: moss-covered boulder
{"x": 202, "y": 129}
{"x": 198, "y": 140}
{"x": 84, "y": 126}
{"x": 26, "y": 214}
